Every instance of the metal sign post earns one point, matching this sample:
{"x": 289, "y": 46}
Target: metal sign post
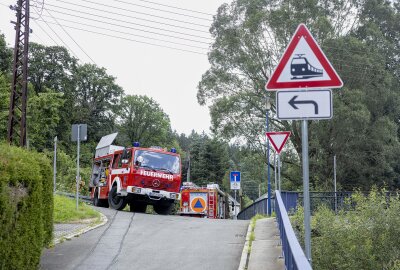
{"x": 307, "y": 215}
{"x": 55, "y": 164}
{"x": 276, "y": 179}
{"x": 334, "y": 181}
{"x": 79, "y": 133}
{"x": 77, "y": 167}
{"x": 279, "y": 172}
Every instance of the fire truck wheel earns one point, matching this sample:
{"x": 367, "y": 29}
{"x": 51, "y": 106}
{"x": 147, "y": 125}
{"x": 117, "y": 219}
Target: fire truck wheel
{"x": 138, "y": 207}
{"x": 99, "y": 202}
{"x": 116, "y": 202}
{"x": 164, "y": 209}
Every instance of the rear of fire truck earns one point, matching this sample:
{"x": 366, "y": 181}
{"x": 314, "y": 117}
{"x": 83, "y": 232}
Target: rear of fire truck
{"x": 136, "y": 176}
{"x": 204, "y": 202}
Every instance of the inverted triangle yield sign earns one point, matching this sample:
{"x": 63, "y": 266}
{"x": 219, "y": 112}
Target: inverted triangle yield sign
{"x": 278, "y": 139}
{"x": 303, "y": 65}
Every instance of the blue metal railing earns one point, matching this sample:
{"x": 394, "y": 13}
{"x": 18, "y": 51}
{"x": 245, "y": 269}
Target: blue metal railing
{"x": 258, "y": 207}
{"x": 291, "y": 249}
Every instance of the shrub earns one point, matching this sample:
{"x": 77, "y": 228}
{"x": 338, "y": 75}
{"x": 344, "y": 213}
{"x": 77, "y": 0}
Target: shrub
{"x": 365, "y": 237}
{"x": 26, "y": 207}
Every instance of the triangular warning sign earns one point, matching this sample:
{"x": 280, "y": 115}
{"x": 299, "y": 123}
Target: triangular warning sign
{"x": 278, "y": 139}
{"x": 198, "y": 204}
{"x": 303, "y": 65}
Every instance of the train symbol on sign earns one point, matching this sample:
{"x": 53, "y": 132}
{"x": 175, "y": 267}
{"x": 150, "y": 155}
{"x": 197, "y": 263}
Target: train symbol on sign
{"x": 300, "y": 68}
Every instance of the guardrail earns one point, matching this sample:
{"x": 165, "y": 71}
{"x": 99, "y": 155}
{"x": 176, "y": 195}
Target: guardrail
{"x": 73, "y": 195}
{"x": 258, "y": 207}
{"x": 291, "y": 249}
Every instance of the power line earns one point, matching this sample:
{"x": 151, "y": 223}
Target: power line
{"x": 108, "y": 29}
{"x": 176, "y": 7}
{"x": 162, "y": 10}
{"x": 133, "y": 40}
{"x": 61, "y": 39}
{"x": 71, "y": 38}
{"x": 138, "y": 29}
{"x": 123, "y": 15}
{"x": 46, "y": 33}
{"x": 113, "y": 19}
{"x": 39, "y": 37}
{"x": 147, "y": 14}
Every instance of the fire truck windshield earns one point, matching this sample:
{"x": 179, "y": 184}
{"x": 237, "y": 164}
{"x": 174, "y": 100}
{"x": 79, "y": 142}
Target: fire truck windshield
{"x": 157, "y": 161}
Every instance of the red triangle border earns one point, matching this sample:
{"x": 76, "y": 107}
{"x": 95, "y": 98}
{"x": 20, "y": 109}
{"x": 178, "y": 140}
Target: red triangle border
{"x": 302, "y": 31}
{"x": 278, "y": 149}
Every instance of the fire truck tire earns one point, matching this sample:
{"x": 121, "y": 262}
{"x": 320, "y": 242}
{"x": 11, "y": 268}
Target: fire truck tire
{"x": 116, "y": 202}
{"x": 164, "y": 209}
{"x": 138, "y": 207}
{"x": 99, "y": 202}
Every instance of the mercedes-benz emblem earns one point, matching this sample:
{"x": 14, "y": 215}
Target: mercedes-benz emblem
{"x": 156, "y": 183}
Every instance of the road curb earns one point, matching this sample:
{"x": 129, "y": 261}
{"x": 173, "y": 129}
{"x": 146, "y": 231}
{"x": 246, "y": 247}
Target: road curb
{"x": 245, "y": 252}
{"x": 75, "y": 233}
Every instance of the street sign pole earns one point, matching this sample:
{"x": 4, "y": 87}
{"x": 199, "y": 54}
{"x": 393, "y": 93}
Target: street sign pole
{"x": 279, "y": 172}
{"x": 55, "y": 164}
{"x": 276, "y": 179}
{"x": 77, "y": 168}
{"x": 307, "y": 227}
{"x": 234, "y": 208}
{"x": 334, "y": 181}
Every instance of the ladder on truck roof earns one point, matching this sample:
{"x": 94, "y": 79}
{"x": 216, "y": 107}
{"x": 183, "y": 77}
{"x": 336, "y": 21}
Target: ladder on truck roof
{"x": 211, "y": 203}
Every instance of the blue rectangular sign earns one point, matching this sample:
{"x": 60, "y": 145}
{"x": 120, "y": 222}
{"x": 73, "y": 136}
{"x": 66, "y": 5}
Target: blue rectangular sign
{"x": 235, "y": 180}
{"x": 235, "y": 176}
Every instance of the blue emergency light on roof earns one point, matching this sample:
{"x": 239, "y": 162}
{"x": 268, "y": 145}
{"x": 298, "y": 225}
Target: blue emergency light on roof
{"x": 173, "y": 150}
{"x": 136, "y": 144}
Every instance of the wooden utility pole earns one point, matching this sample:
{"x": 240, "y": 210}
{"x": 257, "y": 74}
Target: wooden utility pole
{"x": 18, "y": 96}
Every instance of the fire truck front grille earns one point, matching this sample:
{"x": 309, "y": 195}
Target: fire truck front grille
{"x": 154, "y": 183}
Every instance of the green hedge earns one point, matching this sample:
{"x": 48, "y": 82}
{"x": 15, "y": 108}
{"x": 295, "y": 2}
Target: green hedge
{"x": 26, "y": 207}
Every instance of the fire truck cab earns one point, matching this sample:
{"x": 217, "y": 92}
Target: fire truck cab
{"x": 136, "y": 176}
{"x": 205, "y": 202}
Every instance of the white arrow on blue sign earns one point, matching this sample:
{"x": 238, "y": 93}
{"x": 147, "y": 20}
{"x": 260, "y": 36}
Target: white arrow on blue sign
{"x": 235, "y": 180}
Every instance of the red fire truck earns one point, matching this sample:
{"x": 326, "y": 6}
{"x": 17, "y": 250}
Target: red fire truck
{"x": 205, "y": 202}
{"x": 136, "y": 176}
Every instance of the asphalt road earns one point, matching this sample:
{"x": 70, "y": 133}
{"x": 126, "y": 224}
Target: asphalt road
{"x": 143, "y": 241}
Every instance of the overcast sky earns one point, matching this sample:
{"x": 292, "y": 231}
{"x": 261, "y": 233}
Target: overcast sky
{"x": 168, "y": 76}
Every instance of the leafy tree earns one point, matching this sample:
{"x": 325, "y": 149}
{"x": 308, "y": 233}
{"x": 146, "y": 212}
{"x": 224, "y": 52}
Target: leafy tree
{"x": 143, "y": 120}
{"x": 43, "y": 118}
{"x": 4, "y": 106}
{"x": 51, "y": 67}
{"x": 5, "y": 56}
{"x": 209, "y": 160}
{"x": 96, "y": 97}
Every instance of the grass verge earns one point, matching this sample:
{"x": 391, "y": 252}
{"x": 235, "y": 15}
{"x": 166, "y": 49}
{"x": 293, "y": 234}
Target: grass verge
{"x": 253, "y": 226}
{"x": 65, "y": 210}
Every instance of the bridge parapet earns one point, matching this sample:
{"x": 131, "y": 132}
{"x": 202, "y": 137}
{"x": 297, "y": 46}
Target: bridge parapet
{"x": 291, "y": 249}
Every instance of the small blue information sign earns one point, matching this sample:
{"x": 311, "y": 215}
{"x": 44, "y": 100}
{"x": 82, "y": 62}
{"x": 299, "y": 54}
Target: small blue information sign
{"x": 235, "y": 180}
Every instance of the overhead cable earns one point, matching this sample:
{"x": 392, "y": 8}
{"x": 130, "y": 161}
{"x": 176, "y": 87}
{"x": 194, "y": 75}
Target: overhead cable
{"x": 195, "y": 11}
{"x": 162, "y": 10}
{"x": 124, "y": 26}
{"x": 46, "y": 33}
{"x": 61, "y": 39}
{"x": 133, "y": 40}
{"x": 147, "y": 14}
{"x": 131, "y": 11}
{"x": 114, "y": 19}
{"x": 71, "y": 37}
{"x": 127, "y": 33}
